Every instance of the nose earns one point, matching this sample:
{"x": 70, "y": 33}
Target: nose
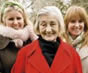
{"x": 15, "y": 22}
{"x": 48, "y": 28}
{"x": 77, "y": 24}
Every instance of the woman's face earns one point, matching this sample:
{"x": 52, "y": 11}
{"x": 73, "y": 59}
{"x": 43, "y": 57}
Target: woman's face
{"x": 76, "y": 27}
{"x": 48, "y": 27}
{"x": 14, "y": 19}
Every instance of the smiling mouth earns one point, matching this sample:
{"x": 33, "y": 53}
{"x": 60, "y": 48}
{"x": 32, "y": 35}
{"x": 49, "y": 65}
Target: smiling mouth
{"x": 48, "y": 35}
{"x": 76, "y": 30}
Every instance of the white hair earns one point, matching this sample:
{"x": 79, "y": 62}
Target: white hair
{"x": 53, "y": 10}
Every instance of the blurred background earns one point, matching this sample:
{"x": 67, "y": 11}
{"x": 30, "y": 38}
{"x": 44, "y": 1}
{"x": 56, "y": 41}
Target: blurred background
{"x": 32, "y": 6}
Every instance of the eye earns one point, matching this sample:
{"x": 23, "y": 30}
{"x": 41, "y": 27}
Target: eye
{"x": 73, "y": 21}
{"x": 43, "y": 24}
{"x": 80, "y": 21}
{"x": 18, "y": 18}
{"x": 11, "y": 19}
{"x": 52, "y": 23}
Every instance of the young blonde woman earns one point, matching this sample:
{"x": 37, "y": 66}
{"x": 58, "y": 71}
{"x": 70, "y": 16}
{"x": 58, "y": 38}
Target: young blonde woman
{"x": 15, "y": 31}
{"x": 48, "y": 54}
{"x": 76, "y": 23}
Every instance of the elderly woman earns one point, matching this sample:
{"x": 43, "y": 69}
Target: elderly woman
{"x": 48, "y": 54}
{"x": 76, "y": 22}
{"x": 15, "y": 32}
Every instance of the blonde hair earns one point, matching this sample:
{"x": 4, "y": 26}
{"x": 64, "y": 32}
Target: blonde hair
{"x": 11, "y": 5}
{"x": 76, "y": 12}
{"x": 52, "y": 10}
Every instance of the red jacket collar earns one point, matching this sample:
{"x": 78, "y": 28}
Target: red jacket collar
{"x": 60, "y": 62}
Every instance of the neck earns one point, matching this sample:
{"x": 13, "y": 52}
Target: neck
{"x": 74, "y": 37}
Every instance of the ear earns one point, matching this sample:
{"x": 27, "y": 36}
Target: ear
{"x": 59, "y": 28}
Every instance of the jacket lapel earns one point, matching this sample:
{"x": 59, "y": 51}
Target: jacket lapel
{"x": 61, "y": 60}
{"x": 38, "y": 61}
{"x": 4, "y": 41}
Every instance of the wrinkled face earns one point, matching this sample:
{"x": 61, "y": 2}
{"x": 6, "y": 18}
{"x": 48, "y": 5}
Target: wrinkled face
{"x": 14, "y": 19}
{"x": 75, "y": 27}
{"x": 48, "y": 27}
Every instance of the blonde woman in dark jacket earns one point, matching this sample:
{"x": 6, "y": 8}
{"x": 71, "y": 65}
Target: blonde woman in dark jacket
{"x": 15, "y": 31}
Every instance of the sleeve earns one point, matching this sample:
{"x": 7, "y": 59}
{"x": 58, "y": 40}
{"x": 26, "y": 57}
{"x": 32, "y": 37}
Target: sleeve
{"x": 77, "y": 63}
{"x": 19, "y": 65}
{"x": 1, "y": 67}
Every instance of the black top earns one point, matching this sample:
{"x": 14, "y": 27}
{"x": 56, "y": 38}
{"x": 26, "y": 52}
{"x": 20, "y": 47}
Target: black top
{"x": 8, "y": 54}
{"x": 49, "y": 49}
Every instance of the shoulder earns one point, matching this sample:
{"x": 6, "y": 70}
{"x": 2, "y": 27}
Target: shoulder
{"x": 83, "y": 52}
{"x": 67, "y": 46}
{"x": 4, "y": 41}
{"x": 29, "y": 48}
{"x": 72, "y": 54}
{"x": 27, "y": 42}
{"x": 71, "y": 51}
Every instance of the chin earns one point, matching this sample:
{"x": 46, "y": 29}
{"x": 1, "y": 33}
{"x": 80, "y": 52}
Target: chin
{"x": 76, "y": 34}
{"x": 50, "y": 39}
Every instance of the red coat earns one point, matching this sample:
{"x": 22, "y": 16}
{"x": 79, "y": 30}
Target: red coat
{"x": 31, "y": 60}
